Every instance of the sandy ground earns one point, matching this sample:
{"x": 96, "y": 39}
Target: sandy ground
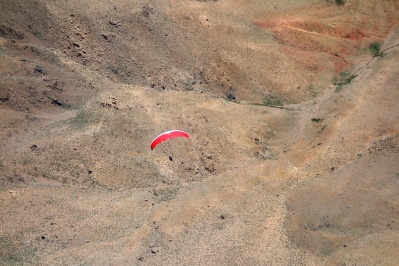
{"x": 293, "y": 156}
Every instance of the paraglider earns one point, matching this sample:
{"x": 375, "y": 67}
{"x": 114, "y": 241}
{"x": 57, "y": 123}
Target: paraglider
{"x": 168, "y": 135}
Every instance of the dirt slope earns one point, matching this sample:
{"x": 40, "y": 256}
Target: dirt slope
{"x": 284, "y": 166}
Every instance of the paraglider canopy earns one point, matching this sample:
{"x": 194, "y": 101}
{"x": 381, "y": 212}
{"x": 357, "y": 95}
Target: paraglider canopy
{"x": 168, "y": 135}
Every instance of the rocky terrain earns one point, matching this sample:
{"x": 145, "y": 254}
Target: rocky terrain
{"x": 292, "y": 108}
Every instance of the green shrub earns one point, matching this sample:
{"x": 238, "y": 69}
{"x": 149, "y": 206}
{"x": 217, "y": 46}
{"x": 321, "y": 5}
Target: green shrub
{"x": 343, "y": 79}
{"x": 340, "y": 2}
{"x": 339, "y": 88}
{"x": 272, "y": 101}
{"x": 317, "y": 120}
{"x": 375, "y": 49}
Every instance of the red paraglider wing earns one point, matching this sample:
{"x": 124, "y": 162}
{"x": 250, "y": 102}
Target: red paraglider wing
{"x": 168, "y": 135}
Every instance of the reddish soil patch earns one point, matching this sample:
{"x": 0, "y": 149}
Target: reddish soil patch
{"x": 329, "y": 39}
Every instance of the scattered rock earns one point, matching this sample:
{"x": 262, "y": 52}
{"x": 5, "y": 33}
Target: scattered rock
{"x": 114, "y": 103}
{"x": 230, "y": 96}
{"x": 7, "y": 31}
{"x": 155, "y": 250}
{"x": 147, "y": 10}
{"x": 105, "y": 36}
{"x": 34, "y": 147}
{"x": 56, "y": 86}
{"x": 14, "y": 178}
{"x": 39, "y": 70}
{"x": 114, "y": 23}
{"x": 58, "y": 103}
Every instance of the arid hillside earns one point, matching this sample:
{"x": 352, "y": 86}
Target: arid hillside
{"x": 292, "y": 108}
